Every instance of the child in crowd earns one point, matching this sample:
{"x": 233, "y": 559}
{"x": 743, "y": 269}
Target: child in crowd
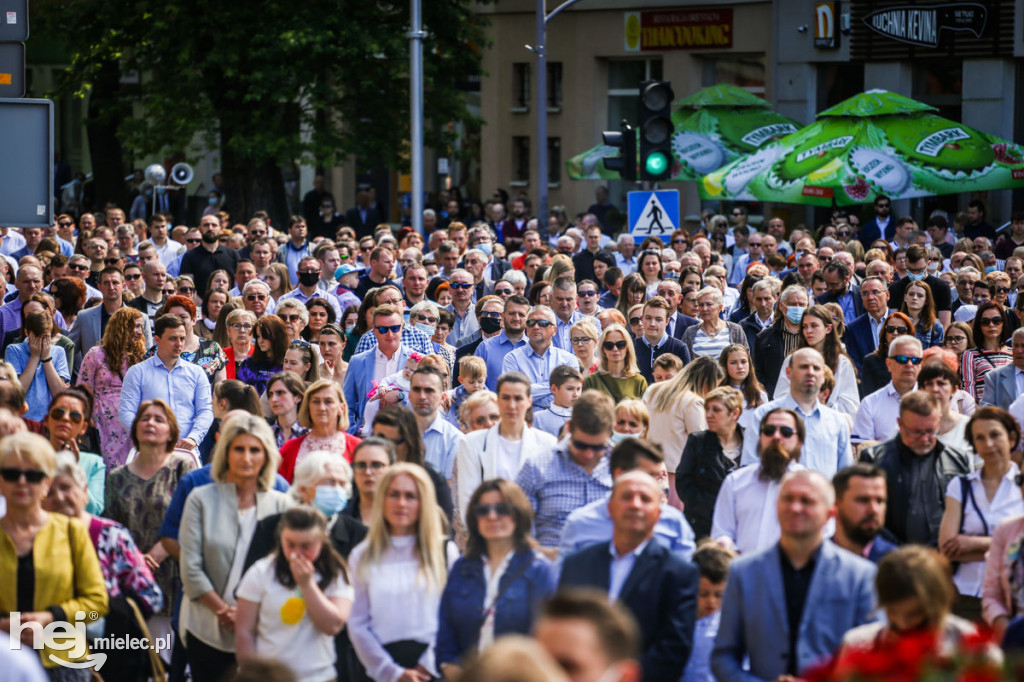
{"x": 391, "y": 390}
{"x": 472, "y": 378}
{"x": 666, "y": 366}
{"x": 712, "y": 561}
{"x": 348, "y": 279}
{"x": 566, "y": 386}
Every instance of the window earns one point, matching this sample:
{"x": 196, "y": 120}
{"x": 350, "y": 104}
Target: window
{"x": 521, "y": 86}
{"x": 554, "y": 161}
{"x": 520, "y": 160}
{"x": 745, "y": 71}
{"x": 624, "y": 79}
{"x": 555, "y": 86}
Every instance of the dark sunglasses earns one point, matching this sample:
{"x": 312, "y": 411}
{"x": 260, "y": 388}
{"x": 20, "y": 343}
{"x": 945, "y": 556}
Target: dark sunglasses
{"x": 770, "y": 429}
{"x": 65, "y": 224}
{"x": 13, "y": 475}
{"x": 896, "y": 330}
{"x": 680, "y": 241}
{"x": 256, "y": 297}
{"x": 194, "y": 240}
{"x": 78, "y": 266}
{"x": 505, "y": 292}
{"x": 186, "y": 290}
{"x": 490, "y": 314}
{"x": 617, "y": 345}
{"x": 905, "y": 359}
{"x": 395, "y": 328}
{"x": 59, "y": 413}
{"x": 290, "y": 318}
{"x": 111, "y": 261}
{"x": 482, "y": 511}
{"x": 544, "y": 324}
{"x": 460, "y": 285}
{"x": 991, "y": 321}
{"x": 365, "y": 466}
{"x": 588, "y": 294}
{"x": 343, "y": 256}
{"x": 427, "y": 318}
{"x": 1003, "y": 290}
{"x": 132, "y": 278}
{"x": 579, "y": 445}
{"x": 635, "y": 320}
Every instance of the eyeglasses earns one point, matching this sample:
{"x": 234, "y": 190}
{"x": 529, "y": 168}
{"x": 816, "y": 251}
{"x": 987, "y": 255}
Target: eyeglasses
{"x": 490, "y": 314}
{"x": 895, "y": 330}
{"x": 343, "y": 256}
{"x": 758, "y": 244}
{"x": 544, "y": 324}
{"x": 460, "y": 285}
{"x": 290, "y": 318}
{"x": 616, "y": 345}
{"x": 363, "y": 467}
{"x": 905, "y": 359}
{"x": 770, "y": 429}
{"x": 737, "y": 212}
{"x": 956, "y": 339}
{"x": 13, "y": 475}
{"x": 59, "y": 413}
{"x": 482, "y": 511}
{"x": 427, "y": 319}
{"x": 186, "y": 290}
{"x": 394, "y": 329}
{"x": 242, "y": 327}
{"x": 366, "y": 248}
{"x": 991, "y": 321}
{"x": 580, "y": 445}
{"x": 256, "y": 297}
{"x": 635, "y": 320}
{"x": 587, "y": 294}
{"x": 917, "y": 433}
{"x": 580, "y": 340}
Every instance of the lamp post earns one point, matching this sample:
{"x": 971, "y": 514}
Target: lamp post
{"x": 416, "y": 36}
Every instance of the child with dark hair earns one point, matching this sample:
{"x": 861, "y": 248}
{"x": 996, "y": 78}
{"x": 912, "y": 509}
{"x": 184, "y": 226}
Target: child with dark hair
{"x": 712, "y": 562}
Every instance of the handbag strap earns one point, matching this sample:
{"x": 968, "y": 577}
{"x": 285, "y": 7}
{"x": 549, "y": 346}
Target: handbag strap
{"x": 494, "y": 603}
{"x": 155, "y": 663}
{"x": 610, "y": 389}
{"x": 967, "y": 491}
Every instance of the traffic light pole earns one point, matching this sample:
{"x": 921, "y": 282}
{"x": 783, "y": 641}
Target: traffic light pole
{"x": 540, "y": 49}
{"x": 416, "y": 36}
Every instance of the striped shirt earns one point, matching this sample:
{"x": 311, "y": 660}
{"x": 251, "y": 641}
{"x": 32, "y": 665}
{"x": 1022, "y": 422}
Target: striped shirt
{"x": 710, "y": 345}
{"x": 976, "y": 363}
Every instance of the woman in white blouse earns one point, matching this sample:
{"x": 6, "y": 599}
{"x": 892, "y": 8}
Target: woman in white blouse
{"x": 978, "y": 502}
{"x": 399, "y": 573}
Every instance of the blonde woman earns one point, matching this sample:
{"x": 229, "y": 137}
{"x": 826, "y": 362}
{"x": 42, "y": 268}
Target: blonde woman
{"x": 217, "y": 526}
{"x": 399, "y": 573}
{"x": 323, "y": 411}
{"x": 677, "y": 410}
{"x": 617, "y": 374}
{"x": 632, "y": 420}
{"x": 583, "y": 336}
{"x": 561, "y": 266}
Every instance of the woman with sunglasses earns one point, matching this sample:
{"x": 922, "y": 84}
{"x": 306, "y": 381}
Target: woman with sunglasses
{"x": 874, "y": 373}
{"x": 295, "y": 317}
{"x": 139, "y": 493}
{"x": 205, "y": 353}
{"x": 323, "y": 411}
{"x": 65, "y": 423}
{"x": 473, "y": 612}
{"x": 332, "y": 347}
{"x": 919, "y": 306}
{"x": 617, "y": 374}
{"x": 583, "y": 336}
{"x": 186, "y": 286}
{"x": 271, "y": 339}
{"x": 212, "y": 303}
{"x": 991, "y": 330}
{"x": 102, "y": 374}
{"x": 48, "y": 560}
{"x": 425, "y": 315}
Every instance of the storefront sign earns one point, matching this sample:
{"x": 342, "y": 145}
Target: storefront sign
{"x": 826, "y": 34}
{"x": 923, "y": 25}
{"x": 689, "y": 29}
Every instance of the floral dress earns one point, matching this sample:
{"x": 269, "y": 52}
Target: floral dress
{"x": 140, "y": 505}
{"x": 209, "y": 356}
{"x": 125, "y": 572}
{"x": 105, "y": 385}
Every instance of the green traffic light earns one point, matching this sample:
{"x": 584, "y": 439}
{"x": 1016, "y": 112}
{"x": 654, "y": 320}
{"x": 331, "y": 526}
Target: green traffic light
{"x": 656, "y": 163}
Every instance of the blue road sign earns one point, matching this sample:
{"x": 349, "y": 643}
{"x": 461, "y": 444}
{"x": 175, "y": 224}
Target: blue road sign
{"x": 654, "y": 214}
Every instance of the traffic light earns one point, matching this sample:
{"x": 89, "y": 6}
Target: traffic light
{"x": 625, "y": 141}
{"x": 656, "y": 130}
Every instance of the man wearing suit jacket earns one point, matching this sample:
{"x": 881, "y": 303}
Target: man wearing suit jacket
{"x": 658, "y": 587}
{"x": 87, "y": 331}
{"x": 764, "y": 312}
{"x": 655, "y": 342}
{"x": 373, "y": 365}
{"x": 787, "y": 607}
{"x": 863, "y": 332}
{"x": 880, "y": 226}
{"x": 671, "y": 291}
{"x": 840, "y": 290}
{"x": 1001, "y": 385}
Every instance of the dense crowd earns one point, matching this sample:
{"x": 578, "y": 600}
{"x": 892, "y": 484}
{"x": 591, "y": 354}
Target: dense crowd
{"x": 336, "y": 449}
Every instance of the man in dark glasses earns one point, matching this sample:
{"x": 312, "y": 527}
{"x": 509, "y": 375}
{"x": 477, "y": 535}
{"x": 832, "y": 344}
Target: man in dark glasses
{"x": 878, "y": 226}
{"x": 876, "y": 416}
{"x": 539, "y": 357}
{"x": 462, "y": 288}
{"x": 370, "y": 366}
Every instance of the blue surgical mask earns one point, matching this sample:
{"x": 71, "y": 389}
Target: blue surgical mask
{"x": 989, "y": 269}
{"x": 426, "y": 329}
{"x": 487, "y": 248}
{"x": 916, "y": 276}
{"x": 330, "y": 499}
{"x": 618, "y": 436}
{"x": 212, "y": 201}
{"x": 349, "y": 328}
{"x": 794, "y": 314}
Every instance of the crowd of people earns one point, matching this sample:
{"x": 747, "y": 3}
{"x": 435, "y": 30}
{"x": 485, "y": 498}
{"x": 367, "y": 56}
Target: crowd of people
{"x": 339, "y": 450}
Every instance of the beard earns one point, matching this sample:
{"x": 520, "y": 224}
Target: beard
{"x": 775, "y": 459}
{"x": 210, "y": 237}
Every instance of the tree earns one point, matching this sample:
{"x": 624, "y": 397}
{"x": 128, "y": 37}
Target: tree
{"x": 269, "y": 83}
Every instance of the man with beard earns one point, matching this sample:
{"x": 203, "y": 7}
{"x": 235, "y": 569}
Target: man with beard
{"x": 860, "y": 511}
{"x": 745, "y": 516}
{"x": 919, "y": 468}
{"x": 200, "y": 263}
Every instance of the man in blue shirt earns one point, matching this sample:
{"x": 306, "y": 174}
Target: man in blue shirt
{"x": 539, "y": 357}
{"x": 512, "y": 336}
{"x": 440, "y": 437}
{"x": 165, "y": 376}
{"x": 592, "y": 524}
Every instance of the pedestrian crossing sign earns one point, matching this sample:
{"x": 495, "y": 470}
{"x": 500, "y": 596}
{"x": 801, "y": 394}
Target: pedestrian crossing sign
{"x": 654, "y": 214}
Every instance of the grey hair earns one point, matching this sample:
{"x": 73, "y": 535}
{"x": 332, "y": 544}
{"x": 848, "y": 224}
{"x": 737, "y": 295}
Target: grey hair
{"x": 714, "y": 292}
{"x": 293, "y": 303}
{"x": 763, "y": 284}
{"x": 904, "y": 339}
{"x": 829, "y": 242}
{"x": 544, "y": 310}
{"x": 429, "y": 212}
{"x": 313, "y": 467}
{"x": 67, "y": 465}
{"x": 515, "y": 277}
{"x": 424, "y": 305}
{"x": 624, "y": 236}
{"x": 789, "y": 291}
{"x": 967, "y": 270}
{"x": 255, "y": 283}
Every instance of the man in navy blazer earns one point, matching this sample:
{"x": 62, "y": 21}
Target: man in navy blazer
{"x": 860, "y": 333}
{"x": 787, "y": 607}
{"x": 655, "y": 341}
{"x": 1001, "y": 384}
{"x": 658, "y": 587}
{"x": 391, "y": 354}
{"x": 841, "y": 290}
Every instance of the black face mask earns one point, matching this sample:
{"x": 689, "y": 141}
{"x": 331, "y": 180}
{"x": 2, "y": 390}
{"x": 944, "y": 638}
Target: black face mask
{"x": 309, "y": 279}
{"x": 490, "y": 325}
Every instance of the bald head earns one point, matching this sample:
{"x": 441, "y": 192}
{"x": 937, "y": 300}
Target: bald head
{"x": 816, "y": 479}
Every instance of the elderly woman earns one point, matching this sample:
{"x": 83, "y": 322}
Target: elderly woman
{"x": 295, "y": 317}
{"x": 617, "y": 374}
{"x": 583, "y": 336}
{"x": 240, "y": 324}
{"x": 66, "y": 422}
{"x": 323, "y": 411}
{"x": 425, "y": 316}
{"x": 217, "y": 526}
{"x": 713, "y": 334}
{"x": 499, "y": 523}
{"x": 125, "y": 571}
{"x": 478, "y": 411}
{"x": 50, "y": 567}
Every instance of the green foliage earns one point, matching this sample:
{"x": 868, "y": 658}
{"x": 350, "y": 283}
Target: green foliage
{"x": 248, "y": 77}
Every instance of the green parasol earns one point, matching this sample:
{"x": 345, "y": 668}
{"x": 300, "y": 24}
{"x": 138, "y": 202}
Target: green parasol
{"x": 712, "y": 127}
{"x": 874, "y": 143}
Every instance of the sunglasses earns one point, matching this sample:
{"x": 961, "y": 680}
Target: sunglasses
{"x": 482, "y": 511}
{"x": 991, "y": 321}
{"x": 544, "y": 324}
{"x": 79, "y": 266}
{"x": 635, "y": 320}
{"x": 679, "y": 241}
{"x": 770, "y": 429}
{"x": 132, "y": 278}
{"x": 490, "y": 314}
{"x": 59, "y": 413}
{"x": 588, "y": 294}
{"x": 616, "y": 345}
{"x": 194, "y": 240}
{"x": 394, "y": 329}
{"x": 65, "y": 224}
{"x": 1003, "y": 290}
{"x": 363, "y": 467}
{"x": 111, "y": 261}
{"x": 343, "y": 256}
{"x": 425, "y": 318}
{"x": 13, "y": 475}
{"x": 504, "y": 292}
{"x": 256, "y": 297}
{"x": 290, "y": 318}
{"x": 896, "y": 330}
{"x": 906, "y": 359}
{"x": 186, "y": 290}
{"x": 460, "y": 285}
{"x": 580, "y": 445}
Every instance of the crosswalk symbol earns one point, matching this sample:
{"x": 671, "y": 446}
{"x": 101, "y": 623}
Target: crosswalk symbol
{"x": 654, "y": 220}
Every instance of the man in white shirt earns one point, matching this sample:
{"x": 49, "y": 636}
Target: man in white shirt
{"x": 167, "y": 249}
{"x": 878, "y": 412}
{"x": 624, "y": 258}
{"x": 745, "y": 516}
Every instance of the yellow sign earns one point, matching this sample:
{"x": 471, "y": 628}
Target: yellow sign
{"x": 632, "y": 31}
{"x": 826, "y": 14}
{"x": 679, "y": 29}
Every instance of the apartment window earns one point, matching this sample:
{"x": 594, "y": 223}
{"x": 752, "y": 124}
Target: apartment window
{"x": 554, "y": 161}
{"x": 745, "y": 71}
{"x": 521, "y": 86}
{"x": 520, "y": 160}
{"x": 555, "y": 86}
